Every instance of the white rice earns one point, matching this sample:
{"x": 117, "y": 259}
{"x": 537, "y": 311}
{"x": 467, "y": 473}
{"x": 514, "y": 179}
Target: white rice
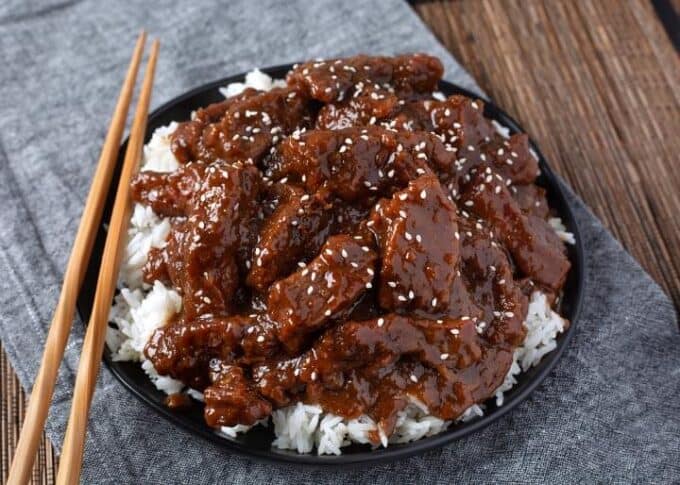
{"x": 139, "y": 309}
{"x": 557, "y": 224}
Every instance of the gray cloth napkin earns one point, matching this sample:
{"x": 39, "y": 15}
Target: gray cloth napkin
{"x": 610, "y": 411}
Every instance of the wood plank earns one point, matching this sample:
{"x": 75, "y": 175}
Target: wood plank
{"x": 12, "y": 405}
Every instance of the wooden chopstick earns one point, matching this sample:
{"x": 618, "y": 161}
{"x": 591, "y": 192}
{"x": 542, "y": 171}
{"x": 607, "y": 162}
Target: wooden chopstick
{"x": 71, "y": 458}
{"x": 41, "y": 395}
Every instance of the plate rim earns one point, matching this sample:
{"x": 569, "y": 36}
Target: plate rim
{"x": 393, "y": 452}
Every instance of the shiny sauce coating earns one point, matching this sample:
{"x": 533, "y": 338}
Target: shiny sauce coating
{"x": 350, "y": 241}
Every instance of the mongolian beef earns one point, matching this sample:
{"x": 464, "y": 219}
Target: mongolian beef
{"x": 348, "y": 240}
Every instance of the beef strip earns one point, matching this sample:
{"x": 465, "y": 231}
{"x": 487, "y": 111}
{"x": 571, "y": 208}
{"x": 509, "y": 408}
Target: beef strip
{"x": 296, "y": 228}
{"x": 531, "y": 199}
{"x": 380, "y": 364}
{"x": 203, "y": 251}
{"x": 185, "y": 349}
{"x": 245, "y": 130}
{"x": 538, "y": 255}
{"x": 327, "y": 286}
{"x": 231, "y": 399}
{"x": 329, "y": 80}
{"x": 359, "y": 163}
{"x": 415, "y": 230}
{"x": 168, "y": 194}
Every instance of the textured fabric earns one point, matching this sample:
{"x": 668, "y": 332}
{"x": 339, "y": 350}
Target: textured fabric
{"x": 610, "y": 411}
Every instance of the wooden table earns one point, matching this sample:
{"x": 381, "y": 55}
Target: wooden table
{"x": 595, "y": 82}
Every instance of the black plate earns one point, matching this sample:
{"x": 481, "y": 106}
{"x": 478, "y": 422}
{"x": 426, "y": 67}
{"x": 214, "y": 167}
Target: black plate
{"x": 257, "y": 442}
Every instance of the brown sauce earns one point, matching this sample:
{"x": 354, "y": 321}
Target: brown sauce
{"x": 348, "y": 241}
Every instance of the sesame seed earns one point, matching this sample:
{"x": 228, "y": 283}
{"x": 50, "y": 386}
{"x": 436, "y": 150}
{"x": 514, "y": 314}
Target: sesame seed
{"x": 381, "y": 322}
{"x": 455, "y": 331}
{"x": 411, "y": 295}
{"x": 310, "y": 290}
{"x": 369, "y": 285}
{"x": 434, "y": 302}
{"x": 414, "y": 378}
{"x": 327, "y": 313}
{"x": 444, "y": 356}
{"x": 313, "y": 376}
{"x": 260, "y": 338}
{"x": 392, "y": 284}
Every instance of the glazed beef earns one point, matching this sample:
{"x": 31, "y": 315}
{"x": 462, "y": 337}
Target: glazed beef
{"x": 351, "y": 241}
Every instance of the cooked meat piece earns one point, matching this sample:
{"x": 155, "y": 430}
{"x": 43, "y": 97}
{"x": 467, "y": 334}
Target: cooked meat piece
{"x": 531, "y": 199}
{"x": 186, "y": 143}
{"x": 330, "y": 80}
{"x": 231, "y": 399}
{"x": 366, "y": 104}
{"x": 488, "y": 277}
{"x": 356, "y": 164}
{"x": 297, "y": 228}
{"x": 380, "y": 363}
{"x": 168, "y": 194}
{"x": 276, "y": 195}
{"x": 536, "y": 254}
{"x": 416, "y": 233}
{"x": 303, "y": 302}
{"x": 201, "y": 255}
{"x": 246, "y": 130}
{"x": 512, "y": 158}
{"x": 183, "y": 350}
